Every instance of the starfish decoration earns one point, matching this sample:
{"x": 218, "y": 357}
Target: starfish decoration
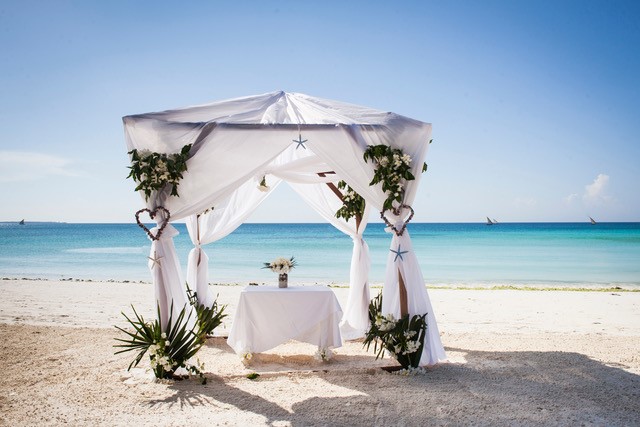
{"x": 398, "y": 253}
{"x": 300, "y": 142}
{"x": 155, "y": 260}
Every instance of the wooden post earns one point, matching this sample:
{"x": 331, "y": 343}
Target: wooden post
{"x": 404, "y": 309}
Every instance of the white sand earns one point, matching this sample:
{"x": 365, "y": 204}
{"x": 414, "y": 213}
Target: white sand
{"x": 516, "y": 358}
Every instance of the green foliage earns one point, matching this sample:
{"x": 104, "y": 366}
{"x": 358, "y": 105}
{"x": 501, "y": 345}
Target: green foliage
{"x": 392, "y": 171}
{"x": 209, "y": 318}
{"x": 352, "y": 203}
{"x": 403, "y": 338}
{"x": 171, "y": 349}
{"x": 168, "y": 350}
{"x": 153, "y": 171}
{"x": 253, "y": 376}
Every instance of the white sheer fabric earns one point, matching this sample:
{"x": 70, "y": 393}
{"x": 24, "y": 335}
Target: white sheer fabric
{"x": 165, "y": 267}
{"x": 216, "y": 224}
{"x": 235, "y": 141}
{"x": 322, "y": 199}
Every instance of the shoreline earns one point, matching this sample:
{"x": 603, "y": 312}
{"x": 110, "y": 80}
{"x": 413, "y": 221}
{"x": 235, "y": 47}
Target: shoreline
{"x": 460, "y": 287}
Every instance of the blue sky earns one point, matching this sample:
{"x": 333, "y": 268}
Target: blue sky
{"x": 535, "y": 105}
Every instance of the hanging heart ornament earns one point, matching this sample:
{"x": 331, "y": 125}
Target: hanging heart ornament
{"x": 152, "y": 215}
{"x": 396, "y": 212}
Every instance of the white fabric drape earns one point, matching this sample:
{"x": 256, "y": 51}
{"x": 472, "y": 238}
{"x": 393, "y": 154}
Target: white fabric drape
{"x": 355, "y": 315}
{"x": 216, "y": 224}
{"x": 165, "y": 268}
{"x": 352, "y": 168}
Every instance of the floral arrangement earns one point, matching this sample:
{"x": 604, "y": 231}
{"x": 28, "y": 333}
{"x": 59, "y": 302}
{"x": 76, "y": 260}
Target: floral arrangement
{"x": 402, "y": 338}
{"x": 263, "y": 185}
{"x": 323, "y": 354}
{"x": 281, "y": 265}
{"x": 174, "y": 348}
{"x": 153, "y": 171}
{"x": 392, "y": 169}
{"x": 352, "y": 203}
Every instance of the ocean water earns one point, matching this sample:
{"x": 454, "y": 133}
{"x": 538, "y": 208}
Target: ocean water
{"x": 548, "y": 254}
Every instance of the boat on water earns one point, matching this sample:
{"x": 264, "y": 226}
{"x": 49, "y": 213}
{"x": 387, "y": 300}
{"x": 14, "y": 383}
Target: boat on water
{"x": 489, "y": 221}
{"x": 593, "y": 221}
{"x": 21, "y": 222}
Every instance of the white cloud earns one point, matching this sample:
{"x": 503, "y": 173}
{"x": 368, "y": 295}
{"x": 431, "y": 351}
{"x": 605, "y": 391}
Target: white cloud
{"x": 17, "y": 166}
{"x": 596, "y": 192}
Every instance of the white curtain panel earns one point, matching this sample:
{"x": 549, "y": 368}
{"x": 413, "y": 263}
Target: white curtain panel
{"x": 217, "y": 224}
{"x": 321, "y": 198}
{"x": 165, "y": 268}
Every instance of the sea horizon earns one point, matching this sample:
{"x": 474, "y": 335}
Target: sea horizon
{"x": 537, "y": 254}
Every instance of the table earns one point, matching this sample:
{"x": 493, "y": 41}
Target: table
{"x": 268, "y": 316}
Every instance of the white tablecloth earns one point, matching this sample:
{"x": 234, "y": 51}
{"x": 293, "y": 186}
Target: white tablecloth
{"x": 268, "y": 316}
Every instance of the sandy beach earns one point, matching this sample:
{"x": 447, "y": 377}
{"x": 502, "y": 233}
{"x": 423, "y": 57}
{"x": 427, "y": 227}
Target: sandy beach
{"x": 516, "y": 357}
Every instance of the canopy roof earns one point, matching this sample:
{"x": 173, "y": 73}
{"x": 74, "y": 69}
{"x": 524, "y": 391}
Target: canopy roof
{"x": 277, "y": 108}
{"x": 238, "y": 139}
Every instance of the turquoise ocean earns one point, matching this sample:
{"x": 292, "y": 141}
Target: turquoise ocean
{"x": 541, "y": 254}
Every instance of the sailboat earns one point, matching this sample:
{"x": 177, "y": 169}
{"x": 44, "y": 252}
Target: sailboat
{"x": 593, "y": 221}
{"x": 489, "y": 221}
{"x": 21, "y": 222}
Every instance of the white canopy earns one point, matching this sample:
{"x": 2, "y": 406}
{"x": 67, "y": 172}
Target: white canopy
{"x": 304, "y": 141}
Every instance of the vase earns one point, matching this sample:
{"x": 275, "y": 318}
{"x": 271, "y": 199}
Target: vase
{"x": 282, "y": 280}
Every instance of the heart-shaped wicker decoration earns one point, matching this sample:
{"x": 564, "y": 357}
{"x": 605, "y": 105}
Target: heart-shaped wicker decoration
{"x": 152, "y": 215}
{"x": 397, "y": 212}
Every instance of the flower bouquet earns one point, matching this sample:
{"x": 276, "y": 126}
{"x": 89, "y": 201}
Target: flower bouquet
{"x": 402, "y": 338}
{"x": 282, "y": 266}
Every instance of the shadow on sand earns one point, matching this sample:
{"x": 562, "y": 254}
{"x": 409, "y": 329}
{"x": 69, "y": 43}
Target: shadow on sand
{"x": 491, "y": 388}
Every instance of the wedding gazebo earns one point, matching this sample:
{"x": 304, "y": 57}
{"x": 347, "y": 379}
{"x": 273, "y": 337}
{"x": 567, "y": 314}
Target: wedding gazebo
{"x": 235, "y": 151}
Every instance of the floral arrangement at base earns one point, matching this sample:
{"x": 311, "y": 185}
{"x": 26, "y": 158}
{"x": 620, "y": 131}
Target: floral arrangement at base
{"x": 246, "y": 356}
{"x": 172, "y": 349}
{"x": 402, "y": 338}
{"x": 323, "y": 354}
{"x": 410, "y": 372}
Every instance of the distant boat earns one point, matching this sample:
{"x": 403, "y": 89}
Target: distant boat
{"x": 593, "y": 221}
{"x": 494, "y": 221}
{"x": 21, "y": 222}
{"x": 489, "y": 221}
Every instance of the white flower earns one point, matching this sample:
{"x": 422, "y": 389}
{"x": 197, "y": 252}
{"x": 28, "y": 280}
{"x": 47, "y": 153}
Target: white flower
{"x": 246, "y": 357}
{"x": 409, "y": 334}
{"x": 412, "y": 347}
{"x": 323, "y": 354}
{"x": 163, "y": 335}
{"x": 281, "y": 265}
{"x": 383, "y": 162}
